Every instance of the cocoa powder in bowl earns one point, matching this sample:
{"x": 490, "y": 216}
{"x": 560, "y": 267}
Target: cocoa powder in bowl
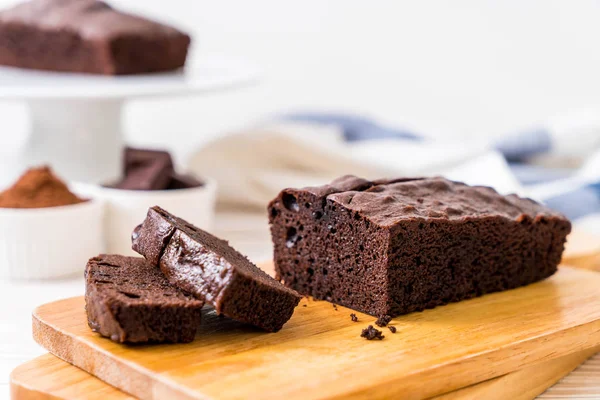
{"x": 38, "y": 188}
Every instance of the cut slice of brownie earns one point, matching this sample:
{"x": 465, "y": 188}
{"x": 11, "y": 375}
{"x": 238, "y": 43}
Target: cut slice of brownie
{"x": 391, "y": 247}
{"x": 209, "y": 268}
{"x": 87, "y": 36}
{"x": 130, "y": 301}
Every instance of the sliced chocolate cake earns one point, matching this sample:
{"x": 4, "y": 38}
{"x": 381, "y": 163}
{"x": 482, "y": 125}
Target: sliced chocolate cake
{"x": 130, "y": 301}
{"x": 209, "y": 268}
{"x": 87, "y": 36}
{"x": 391, "y": 247}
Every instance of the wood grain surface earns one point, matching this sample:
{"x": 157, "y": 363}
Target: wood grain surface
{"x": 49, "y": 378}
{"x": 525, "y": 384}
{"x": 582, "y": 250}
{"x": 319, "y": 353}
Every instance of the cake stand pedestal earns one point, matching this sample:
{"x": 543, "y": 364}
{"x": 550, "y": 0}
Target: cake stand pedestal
{"x": 81, "y": 139}
{"x": 76, "y": 119}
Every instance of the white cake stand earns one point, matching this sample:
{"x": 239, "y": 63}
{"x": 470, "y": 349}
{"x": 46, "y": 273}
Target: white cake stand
{"x": 76, "y": 118}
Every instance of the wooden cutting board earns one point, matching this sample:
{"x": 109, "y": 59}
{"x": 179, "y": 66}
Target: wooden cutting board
{"x": 49, "y": 378}
{"x": 319, "y": 353}
{"x": 582, "y": 250}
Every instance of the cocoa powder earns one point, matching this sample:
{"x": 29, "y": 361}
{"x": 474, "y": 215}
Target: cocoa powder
{"x": 38, "y": 188}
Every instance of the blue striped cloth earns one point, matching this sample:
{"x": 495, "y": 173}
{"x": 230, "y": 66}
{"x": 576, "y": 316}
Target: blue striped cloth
{"x": 577, "y": 203}
{"x": 516, "y": 148}
{"x": 355, "y": 128}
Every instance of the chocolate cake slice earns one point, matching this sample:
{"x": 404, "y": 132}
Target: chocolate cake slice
{"x": 390, "y": 247}
{"x": 130, "y": 301}
{"x": 87, "y": 36}
{"x": 209, "y": 268}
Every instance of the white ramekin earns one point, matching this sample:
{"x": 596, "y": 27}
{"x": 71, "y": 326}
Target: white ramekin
{"x": 53, "y": 242}
{"x": 125, "y": 209}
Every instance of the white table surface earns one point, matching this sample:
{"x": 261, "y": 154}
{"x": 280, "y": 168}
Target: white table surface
{"x": 247, "y": 232}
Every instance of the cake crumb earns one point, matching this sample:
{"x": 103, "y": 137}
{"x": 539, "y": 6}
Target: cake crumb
{"x": 353, "y": 317}
{"x": 383, "y": 320}
{"x": 371, "y": 333}
{"x": 392, "y": 328}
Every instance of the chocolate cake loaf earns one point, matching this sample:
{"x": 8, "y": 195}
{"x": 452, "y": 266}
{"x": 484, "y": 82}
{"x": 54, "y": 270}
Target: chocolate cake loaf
{"x": 209, "y": 268}
{"x": 391, "y": 247}
{"x": 129, "y": 300}
{"x": 87, "y": 36}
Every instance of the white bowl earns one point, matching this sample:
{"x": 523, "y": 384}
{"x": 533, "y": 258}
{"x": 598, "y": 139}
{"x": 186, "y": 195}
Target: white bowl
{"x": 125, "y": 209}
{"x": 40, "y": 243}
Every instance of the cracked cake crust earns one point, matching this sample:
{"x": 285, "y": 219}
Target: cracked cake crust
{"x": 390, "y": 247}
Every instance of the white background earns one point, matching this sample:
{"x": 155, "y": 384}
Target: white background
{"x": 463, "y": 68}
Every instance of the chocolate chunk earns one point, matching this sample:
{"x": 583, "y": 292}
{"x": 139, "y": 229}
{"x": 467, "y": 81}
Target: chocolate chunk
{"x": 383, "y": 320}
{"x": 371, "y": 333}
{"x": 155, "y": 176}
{"x": 207, "y": 267}
{"x": 180, "y": 181}
{"x": 135, "y": 158}
{"x": 146, "y": 170}
{"x": 392, "y": 328}
{"x": 152, "y": 170}
{"x": 353, "y": 317}
{"x": 87, "y": 36}
{"x": 130, "y": 301}
{"x": 391, "y": 247}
